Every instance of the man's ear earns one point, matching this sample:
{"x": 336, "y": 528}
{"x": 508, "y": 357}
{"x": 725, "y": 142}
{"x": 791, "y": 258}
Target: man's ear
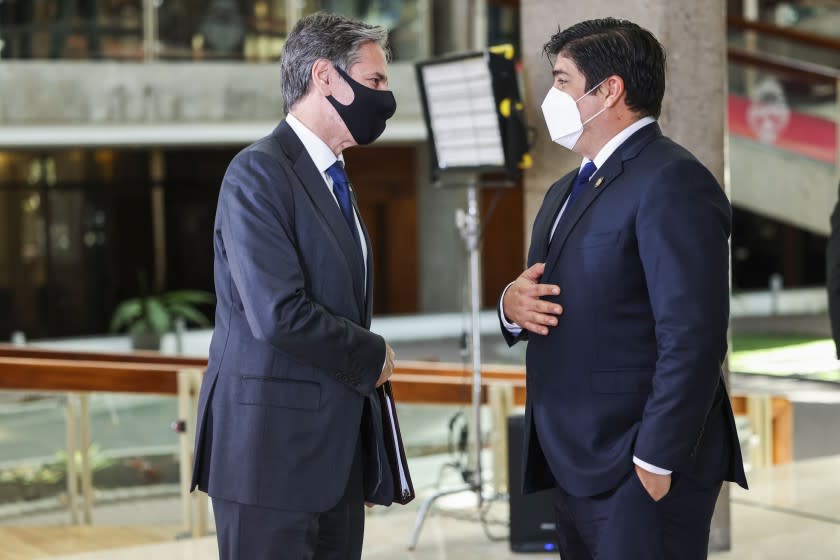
{"x": 322, "y": 76}
{"x": 613, "y": 89}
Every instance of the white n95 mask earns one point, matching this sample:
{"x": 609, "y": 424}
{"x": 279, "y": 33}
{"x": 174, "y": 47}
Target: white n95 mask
{"x": 563, "y": 116}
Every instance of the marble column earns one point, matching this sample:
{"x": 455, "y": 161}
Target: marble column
{"x": 693, "y": 114}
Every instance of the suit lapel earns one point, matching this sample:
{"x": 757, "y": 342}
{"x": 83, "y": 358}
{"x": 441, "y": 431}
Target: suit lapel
{"x": 598, "y": 183}
{"x": 316, "y": 188}
{"x": 545, "y": 219}
{"x": 368, "y": 303}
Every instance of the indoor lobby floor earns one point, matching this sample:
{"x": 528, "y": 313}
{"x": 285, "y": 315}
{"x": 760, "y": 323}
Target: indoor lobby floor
{"x": 792, "y": 511}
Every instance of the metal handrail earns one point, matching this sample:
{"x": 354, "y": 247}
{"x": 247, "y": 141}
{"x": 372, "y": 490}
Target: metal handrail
{"x": 816, "y": 73}
{"x": 789, "y": 34}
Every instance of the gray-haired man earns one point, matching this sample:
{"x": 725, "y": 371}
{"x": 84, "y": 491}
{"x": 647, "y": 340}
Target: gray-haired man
{"x": 286, "y": 412}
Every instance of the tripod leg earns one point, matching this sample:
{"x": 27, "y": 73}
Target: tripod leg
{"x": 454, "y": 466}
{"x": 424, "y": 511}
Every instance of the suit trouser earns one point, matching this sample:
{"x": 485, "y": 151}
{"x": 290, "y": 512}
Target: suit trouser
{"x": 257, "y": 533}
{"x": 626, "y": 523}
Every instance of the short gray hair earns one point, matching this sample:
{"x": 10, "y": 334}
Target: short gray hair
{"x": 323, "y": 35}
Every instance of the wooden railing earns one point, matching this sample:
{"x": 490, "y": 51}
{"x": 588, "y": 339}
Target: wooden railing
{"x": 47, "y": 370}
{"x": 771, "y": 418}
{"x": 81, "y": 373}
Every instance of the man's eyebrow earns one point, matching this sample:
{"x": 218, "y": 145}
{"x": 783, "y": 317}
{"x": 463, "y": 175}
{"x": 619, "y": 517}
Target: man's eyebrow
{"x": 556, "y": 73}
{"x": 379, "y": 76}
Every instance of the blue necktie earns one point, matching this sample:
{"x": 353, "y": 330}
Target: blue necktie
{"x": 581, "y": 181}
{"x": 341, "y": 188}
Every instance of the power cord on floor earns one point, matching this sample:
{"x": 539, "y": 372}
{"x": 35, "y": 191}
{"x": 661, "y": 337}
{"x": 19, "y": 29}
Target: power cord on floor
{"x": 483, "y": 519}
{"x": 486, "y": 523}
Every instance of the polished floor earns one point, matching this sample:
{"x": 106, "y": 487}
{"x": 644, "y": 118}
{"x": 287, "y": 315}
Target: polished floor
{"x": 792, "y": 511}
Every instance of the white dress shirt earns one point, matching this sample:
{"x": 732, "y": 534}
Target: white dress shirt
{"x": 323, "y": 157}
{"x": 601, "y": 157}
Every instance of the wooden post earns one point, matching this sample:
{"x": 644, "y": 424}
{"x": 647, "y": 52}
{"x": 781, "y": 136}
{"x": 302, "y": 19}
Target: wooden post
{"x": 193, "y": 506}
{"x": 72, "y": 476}
{"x": 760, "y": 413}
{"x": 196, "y": 377}
{"x": 500, "y": 398}
{"x": 184, "y": 390}
{"x": 86, "y": 474}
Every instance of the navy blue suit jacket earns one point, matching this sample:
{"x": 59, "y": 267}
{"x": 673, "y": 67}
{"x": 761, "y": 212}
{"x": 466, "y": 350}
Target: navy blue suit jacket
{"x": 634, "y": 365}
{"x": 292, "y": 359}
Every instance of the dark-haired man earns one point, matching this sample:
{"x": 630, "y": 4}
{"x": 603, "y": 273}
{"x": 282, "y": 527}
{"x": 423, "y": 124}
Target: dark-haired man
{"x": 625, "y": 305}
{"x": 287, "y": 406}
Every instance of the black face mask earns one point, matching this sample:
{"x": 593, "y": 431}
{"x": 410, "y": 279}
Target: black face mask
{"x": 365, "y": 117}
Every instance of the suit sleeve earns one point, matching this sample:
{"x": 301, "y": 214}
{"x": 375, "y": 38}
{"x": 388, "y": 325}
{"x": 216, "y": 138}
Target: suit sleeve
{"x": 511, "y": 332}
{"x": 682, "y": 226}
{"x": 258, "y": 235}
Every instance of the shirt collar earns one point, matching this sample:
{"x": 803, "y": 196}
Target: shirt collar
{"x": 617, "y": 140}
{"x": 321, "y": 154}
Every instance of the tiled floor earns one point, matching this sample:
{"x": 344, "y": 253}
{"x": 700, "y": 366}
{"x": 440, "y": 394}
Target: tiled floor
{"x": 791, "y": 512}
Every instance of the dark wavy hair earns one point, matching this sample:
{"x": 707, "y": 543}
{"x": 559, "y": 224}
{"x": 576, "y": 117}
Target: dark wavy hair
{"x": 601, "y": 48}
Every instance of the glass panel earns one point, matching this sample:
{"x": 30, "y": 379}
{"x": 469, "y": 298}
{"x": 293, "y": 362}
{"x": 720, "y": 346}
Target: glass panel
{"x": 822, "y": 18}
{"x": 503, "y": 23}
{"x": 253, "y": 30}
{"x": 27, "y": 234}
{"x": 782, "y": 172}
{"x": 75, "y": 231}
{"x": 766, "y": 44}
{"x": 74, "y": 29}
{"x": 134, "y": 453}
{"x": 404, "y": 19}
{"x": 132, "y": 442}
{"x": 132, "y": 447}
{"x": 32, "y": 447}
{"x": 786, "y": 110}
{"x": 22, "y": 243}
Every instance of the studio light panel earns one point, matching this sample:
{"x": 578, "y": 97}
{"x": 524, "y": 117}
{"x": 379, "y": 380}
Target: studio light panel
{"x": 462, "y": 113}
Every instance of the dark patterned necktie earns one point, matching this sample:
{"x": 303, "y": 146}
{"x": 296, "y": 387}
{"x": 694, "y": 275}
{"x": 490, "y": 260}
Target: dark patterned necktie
{"x": 341, "y": 188}
{"x": 586, "y": 173}
{"x": 581, "y": 181}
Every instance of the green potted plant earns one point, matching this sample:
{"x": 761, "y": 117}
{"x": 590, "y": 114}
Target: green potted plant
{"x": 148, "y": 317}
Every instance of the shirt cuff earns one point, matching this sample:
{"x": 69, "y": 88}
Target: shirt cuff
{"x": 650, "y": 468}
{"x": 512, "y": 328}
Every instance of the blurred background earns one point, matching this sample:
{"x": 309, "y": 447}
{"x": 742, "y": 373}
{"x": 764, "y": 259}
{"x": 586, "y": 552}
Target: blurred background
{"x": 117, "y": 121}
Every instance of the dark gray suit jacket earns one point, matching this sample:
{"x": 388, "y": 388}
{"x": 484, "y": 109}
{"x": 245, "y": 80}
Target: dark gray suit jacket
{"x": 292, "y": 360}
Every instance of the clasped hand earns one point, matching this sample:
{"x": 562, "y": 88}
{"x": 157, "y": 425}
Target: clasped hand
{"x": 387, "y": 367}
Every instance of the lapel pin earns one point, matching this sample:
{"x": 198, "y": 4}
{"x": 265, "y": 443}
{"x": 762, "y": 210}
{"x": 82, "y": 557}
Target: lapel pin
{"x": 599, "y": 182}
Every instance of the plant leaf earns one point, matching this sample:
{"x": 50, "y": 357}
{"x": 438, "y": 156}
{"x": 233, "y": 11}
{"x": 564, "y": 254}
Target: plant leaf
{"x": 188, "y": 296}
{"x": 157, "y": 315}
{"x": 189, "y": 313}
{"x": 126, "y": 313}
